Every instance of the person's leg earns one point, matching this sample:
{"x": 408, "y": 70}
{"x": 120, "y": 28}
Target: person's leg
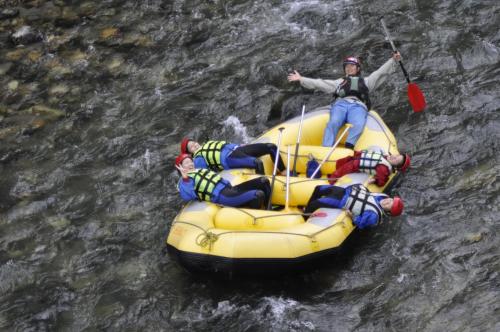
{"x": 253, "y": 199}
{"x": 318, "y": 192}
{"x": 239, "y": 159}
{"x": 356, "y": 115}
{"x": 260, "y": 149}
{"x": 260, "y": 183}
{"x": 338, "y": 114}
{"x": 345, "y": 168}
{"x": 316, "y": 204}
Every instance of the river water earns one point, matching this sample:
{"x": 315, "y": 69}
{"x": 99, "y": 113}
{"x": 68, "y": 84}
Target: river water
{"x": 96, "y": 96}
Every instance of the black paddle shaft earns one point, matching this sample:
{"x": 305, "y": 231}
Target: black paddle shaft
{"x": 388, "y": 37}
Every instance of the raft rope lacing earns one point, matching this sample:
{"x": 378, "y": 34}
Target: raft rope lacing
{"x": 209, "y": 238}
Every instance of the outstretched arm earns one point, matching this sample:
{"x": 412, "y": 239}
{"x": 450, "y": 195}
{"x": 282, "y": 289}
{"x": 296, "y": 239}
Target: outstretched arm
{"x": 295, "y": 76}
{"x": 379, "y": 76}
{"x": 328, "y": 86}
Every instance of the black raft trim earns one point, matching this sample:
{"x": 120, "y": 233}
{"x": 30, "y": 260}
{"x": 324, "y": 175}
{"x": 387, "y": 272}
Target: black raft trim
{"x": 244, "y": 267}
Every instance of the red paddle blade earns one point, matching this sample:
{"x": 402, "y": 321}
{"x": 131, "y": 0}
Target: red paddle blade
{"x": 416, "y": 97}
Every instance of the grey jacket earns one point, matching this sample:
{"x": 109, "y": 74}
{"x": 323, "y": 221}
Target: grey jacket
{"x": 372, "y": 81}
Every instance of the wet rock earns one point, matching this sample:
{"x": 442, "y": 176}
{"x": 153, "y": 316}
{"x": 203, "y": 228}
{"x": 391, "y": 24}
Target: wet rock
{"x": 200, "y": 33}
{"x": 68, "y": 18}
{"x": 7, "y": 132}
{"x": 13, "y": 85}
{"x": 54, "y": 42}
{"x": 474, "y": 237}
{"x": 38, "y": 123}
{"x": 4, "y": 111}
{"x": 135, "y": 39}
{"x": 34, "y": 55}
{"x": 50, "y": 113}
{"x": 76, "y": 56}
{"x": 5, "y": 67}
{"x": 108, "y": 12}
{"x": 30, "y": 88}
{"x": 58, "y": 222}
{"x": 34, "y": 125}
{"x": 147, "y": 27}
{"x": 7, "y": 13}
{"x": 15, "y": 55}
{"x": 33, "y": 3}
{"x": 114, "y": 64}
{"x": 57, "y": 70}
{"x": 87, "y": 9}
{"x": 58, "y": 90}
{"x": 109, "y": 33}
{"x": 25, "y": 35}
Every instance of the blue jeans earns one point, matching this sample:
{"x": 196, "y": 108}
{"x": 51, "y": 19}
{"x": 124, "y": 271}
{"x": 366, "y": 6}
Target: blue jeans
{"x": 341, "y": 112}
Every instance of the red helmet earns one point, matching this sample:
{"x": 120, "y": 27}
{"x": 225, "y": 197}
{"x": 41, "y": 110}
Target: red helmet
{"x": 184, "y": 144}
{"x": 353, "y": 61}
{"x": 406, "y": 162}
{"x": 397, "y": 206}
{"x": 181, "y": 157}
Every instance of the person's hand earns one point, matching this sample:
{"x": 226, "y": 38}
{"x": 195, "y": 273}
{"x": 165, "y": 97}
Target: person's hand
{"x": 371, "y": 180}
{"x": 295, "y": 76}
{"x": 396, "y": 56}
{"x": 183, "y": 171}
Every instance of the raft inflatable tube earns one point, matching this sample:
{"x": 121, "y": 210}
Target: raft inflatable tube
{"x": 209, "y": 238}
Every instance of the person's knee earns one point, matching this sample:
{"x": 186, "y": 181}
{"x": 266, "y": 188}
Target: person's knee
{"x": 259, "y": 166}
{"x": 358, "y": 122}
{"x": 259, "y": 199}
{"x": 265, "y": 185}
{"x": 263, "y": 180}
{"x": 259, "y": 194}
{"x": 271, "y": 146}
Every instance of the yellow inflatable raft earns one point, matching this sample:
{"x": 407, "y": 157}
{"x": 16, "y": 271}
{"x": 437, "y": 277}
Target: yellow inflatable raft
{"x": 233, "y": 241}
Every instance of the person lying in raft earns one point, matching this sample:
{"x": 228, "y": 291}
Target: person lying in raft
{"x": 351, "y": 94}
{"x": 365, "y": 208}
{"x": 219, "y": 155}
{"x": 206, "y": 185}
{"x": 375, "y": 163}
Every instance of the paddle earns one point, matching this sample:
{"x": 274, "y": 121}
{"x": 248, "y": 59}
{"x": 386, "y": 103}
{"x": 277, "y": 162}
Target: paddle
{"x": 415, "y": 95}
{"x": 269, "y": 204}
{"x": 294, "y": 172}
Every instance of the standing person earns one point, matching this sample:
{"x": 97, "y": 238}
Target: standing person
{"x": 365, "y": 208}
{"x": 219, "y": 155}
{"x": 206, "y": 185}
{"x": 351, "y": 93}
{"x": 375, "y": 163}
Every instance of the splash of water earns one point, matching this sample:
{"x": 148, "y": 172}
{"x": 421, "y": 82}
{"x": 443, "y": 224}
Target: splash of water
{"x": 238, "y": 128}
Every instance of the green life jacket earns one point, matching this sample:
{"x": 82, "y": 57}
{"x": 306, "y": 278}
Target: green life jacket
{"x": 211, "y": 152}
{"x": 204, "y": 183}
